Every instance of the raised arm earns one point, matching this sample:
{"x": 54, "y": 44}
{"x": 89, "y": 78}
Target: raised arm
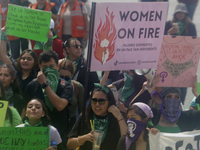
{"x": 116, "y": 113}
{"x": 104, "y": 78}
{"x": 58, "y": 102}
{"x": 3, "y": 50}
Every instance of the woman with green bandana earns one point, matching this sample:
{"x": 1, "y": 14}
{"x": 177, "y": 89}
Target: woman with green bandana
{"x": 37, "y": 116}
{"x": 181, "y": 23}
{"x": 12, "y": 91}
{"x": 107, "y": 118}
{"x": 12, "y": 117}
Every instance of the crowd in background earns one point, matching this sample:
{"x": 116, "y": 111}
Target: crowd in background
{"x": 46, "y": 84}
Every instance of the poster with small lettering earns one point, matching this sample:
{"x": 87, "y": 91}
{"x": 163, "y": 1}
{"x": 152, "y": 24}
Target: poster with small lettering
{"x": 28, "y": 23}
{"x": 175, "y": 141}
{"x": 24, "y": 138}
{"x": 127, "y": 35}
{"x": 178, "y": 61}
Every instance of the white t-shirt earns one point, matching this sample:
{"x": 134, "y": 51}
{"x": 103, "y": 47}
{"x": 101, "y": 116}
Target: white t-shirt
{"x": 54, "y": 136}
{"x": 86, "y": 9}
{"x": 4, "y": 9}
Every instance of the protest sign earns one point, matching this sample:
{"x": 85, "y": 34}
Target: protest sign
{"x": 175, "y": 141}
{"x": 3, "y": 110}
{"x": 178, "y": 61}
{"x": 28, "y": 23}
{"x": 24, "y": 138}
{"x": 126, "y": 35}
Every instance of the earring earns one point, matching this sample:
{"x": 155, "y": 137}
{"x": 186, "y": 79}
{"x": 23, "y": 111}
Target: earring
{"x": 42, "y": 115}
{"x": 26, "y": 115}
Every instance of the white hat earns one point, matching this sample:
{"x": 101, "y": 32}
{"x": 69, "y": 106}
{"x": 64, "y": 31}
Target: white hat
{"x": 181, "y": 7}
{"x": 52, "y": 24}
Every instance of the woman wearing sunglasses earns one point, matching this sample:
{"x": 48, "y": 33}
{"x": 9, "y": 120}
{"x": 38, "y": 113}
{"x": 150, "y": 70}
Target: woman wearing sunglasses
{"x": 107, "y": 118}
{"x": 72, "y": 50}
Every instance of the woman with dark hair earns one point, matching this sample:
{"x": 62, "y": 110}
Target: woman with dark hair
{"x": 11, "y": 86}
{"x": 107, "y": 118}
{"x": 37, "y": 116}
{"x": 66, "y": 71}
{"x": 12, "y": 118}
{"x": 138, "y": 116}
{"x": 26, "y": 65}
{"x": 72, "y": 49}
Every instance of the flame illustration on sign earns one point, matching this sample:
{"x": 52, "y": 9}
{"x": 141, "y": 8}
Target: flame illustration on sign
{"x": 105, "y": 38}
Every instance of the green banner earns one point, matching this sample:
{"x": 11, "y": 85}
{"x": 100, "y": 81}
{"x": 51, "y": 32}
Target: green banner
{"x": 198, "y": 87}
{"x": 28, "y": 23}
{"x": 24, "y": 138}
{"x": 3, "y": 110}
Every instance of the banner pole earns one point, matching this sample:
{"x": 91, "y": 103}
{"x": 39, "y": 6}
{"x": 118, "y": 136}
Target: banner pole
{"x": 88, "y": 63}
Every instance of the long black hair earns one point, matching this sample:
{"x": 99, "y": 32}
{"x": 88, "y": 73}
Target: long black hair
{"x": 110, "y": 98}
{"x": 45, "y": 120}
{"x": 35, "y": 66}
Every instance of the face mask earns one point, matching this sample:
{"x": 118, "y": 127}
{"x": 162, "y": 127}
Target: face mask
{"x": 135, "y": 128}
{"x": 170, "y": 109}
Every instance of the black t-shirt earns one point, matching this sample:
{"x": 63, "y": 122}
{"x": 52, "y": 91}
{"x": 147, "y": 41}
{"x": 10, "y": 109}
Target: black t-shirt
{"x": 25, "y": 82}
{"x": 122, "y": 144}
{"x": 110, "y": 141}
{"x": 53, "y": 9}
{"x": 59, "y": 119}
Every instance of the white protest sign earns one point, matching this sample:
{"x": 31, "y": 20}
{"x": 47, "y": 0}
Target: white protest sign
{"x": 175, "y": 141}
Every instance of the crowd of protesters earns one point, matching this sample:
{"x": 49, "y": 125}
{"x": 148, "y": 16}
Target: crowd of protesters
{"x": 45, "y": 84}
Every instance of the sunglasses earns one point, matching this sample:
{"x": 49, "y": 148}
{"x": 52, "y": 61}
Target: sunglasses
{"x": 76, "y": 46}
{"x": 101, "y": 101}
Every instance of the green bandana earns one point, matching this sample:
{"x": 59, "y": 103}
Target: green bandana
{"x": 44, "y": 46}
{"x": 99, "y": 86}
{"x": 52, "y": 76}
{"x": 26, "y": 124}
{"x": 128, "y": 87}
{"x": 101, "y": 124}
{"x": 9, "y": 93}
{"x": 181, "y": 26}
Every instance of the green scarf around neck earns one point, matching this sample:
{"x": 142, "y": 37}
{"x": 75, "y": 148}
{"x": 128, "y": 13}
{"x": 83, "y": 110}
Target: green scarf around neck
{"x": 102, "y": 125}
{"x": 9, "y": 93}
{"x": 26, "y": 124}
{"x": 181, "y": 26}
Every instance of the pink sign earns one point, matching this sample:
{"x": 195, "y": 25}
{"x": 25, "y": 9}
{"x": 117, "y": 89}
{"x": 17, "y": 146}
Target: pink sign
{"x": 178, "y": 61}
{"x": 127, "y": 35}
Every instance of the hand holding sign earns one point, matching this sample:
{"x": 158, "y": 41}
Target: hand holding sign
{"x": 28, "y": 23}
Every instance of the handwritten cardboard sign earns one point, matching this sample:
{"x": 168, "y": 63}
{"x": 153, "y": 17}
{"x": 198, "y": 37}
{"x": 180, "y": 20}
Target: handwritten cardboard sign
{"x": 3, "y": 110}
{"x": 28, "y": 23}
{"x": 178, "y": 61}
{"x": 127, "y": 35}
{"x": 24, "y": 138}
